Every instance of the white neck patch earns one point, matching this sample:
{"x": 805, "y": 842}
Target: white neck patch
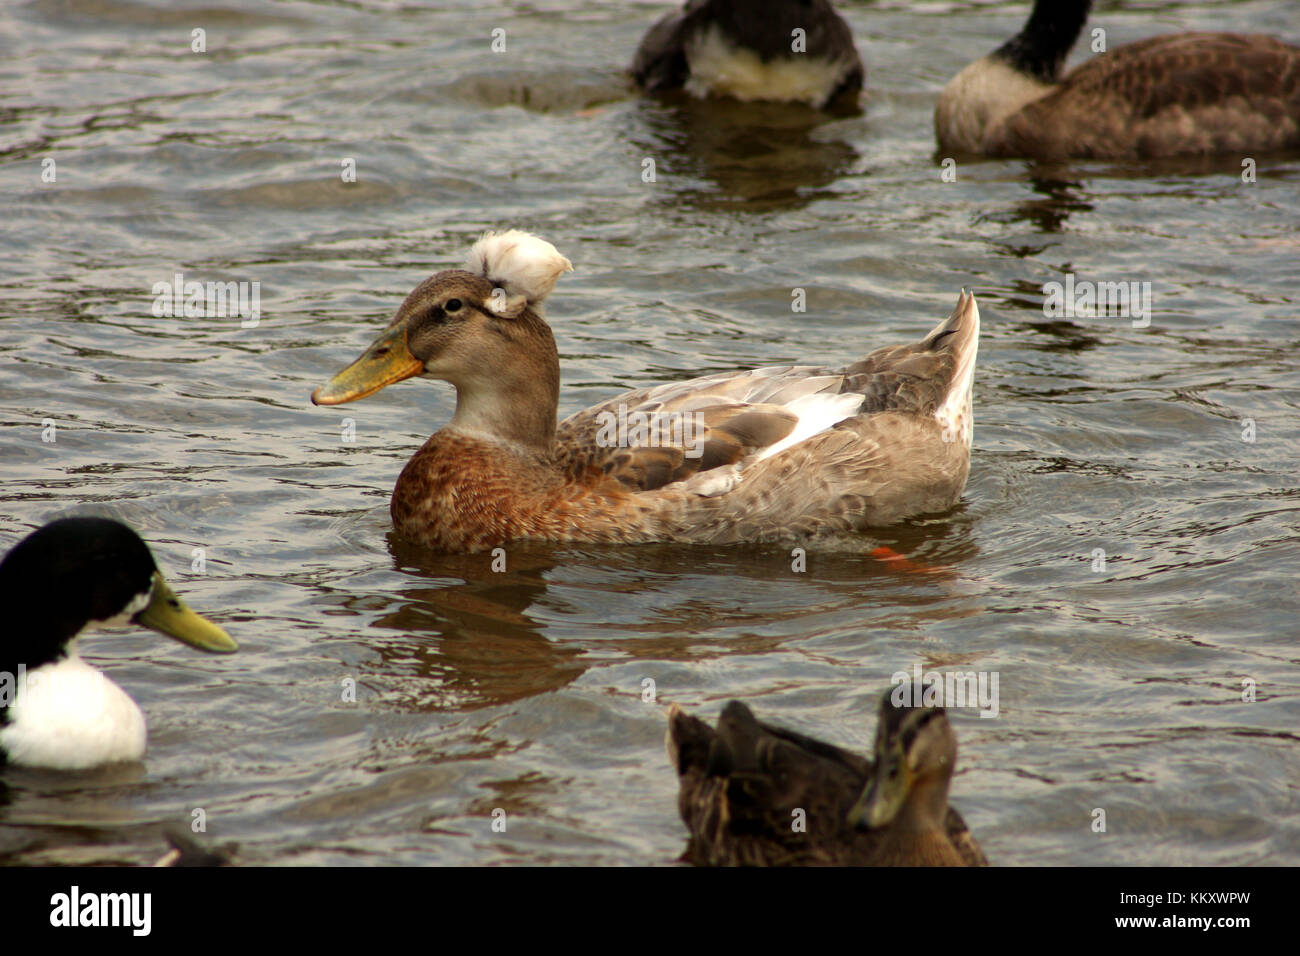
{"x": 720, "y": 67}
{"x": 123, "y": 617}
{"x": 978, "y": 98}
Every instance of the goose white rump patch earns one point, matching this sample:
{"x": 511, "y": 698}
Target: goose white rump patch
{"x": 720, "y": 67}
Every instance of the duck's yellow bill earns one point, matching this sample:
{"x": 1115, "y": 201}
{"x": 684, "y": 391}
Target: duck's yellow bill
{"x": 167, "y": 614}
{"x": 388, "y": 360}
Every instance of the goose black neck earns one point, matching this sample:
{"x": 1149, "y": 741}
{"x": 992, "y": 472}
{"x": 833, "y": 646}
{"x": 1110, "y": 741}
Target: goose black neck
{"x": 1041, "y": 47}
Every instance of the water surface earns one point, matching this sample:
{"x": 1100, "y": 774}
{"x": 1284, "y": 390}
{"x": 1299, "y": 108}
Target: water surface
{"x": 1120, "y": 688}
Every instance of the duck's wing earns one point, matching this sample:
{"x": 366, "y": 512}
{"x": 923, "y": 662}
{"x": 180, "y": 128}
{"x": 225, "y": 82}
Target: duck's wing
{"x": 757, "y": 795}
{"x": 1182, "y": 92}
{"x": 653, "y": 437}
{"x": 708, "y": 431}
{"x": 964, "y": 840}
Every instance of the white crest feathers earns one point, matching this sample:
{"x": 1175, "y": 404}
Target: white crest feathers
{"x": 519, "y": 263}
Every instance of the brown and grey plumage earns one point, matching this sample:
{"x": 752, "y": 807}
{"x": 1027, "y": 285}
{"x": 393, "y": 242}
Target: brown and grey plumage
{"x": 1172, "y": 95}
{"x": 762, "y": 455}
{"x": 744, "y": 784}
{"x": 749, "y": 50}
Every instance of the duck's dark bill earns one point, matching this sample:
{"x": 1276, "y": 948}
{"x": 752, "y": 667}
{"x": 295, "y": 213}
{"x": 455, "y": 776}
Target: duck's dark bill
{"x": 388, "y": 360}
{"x": 167, "y": 614}
{"x": 882, "y": 800}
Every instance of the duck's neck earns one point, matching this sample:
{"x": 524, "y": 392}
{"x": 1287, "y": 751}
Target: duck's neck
{"x": 517, "y": 418}
{"x": 515, "y": 404}
{"x": 45, "y": 640}
{"x": 926, "y": 809}
{"x": 1039, "y": 50}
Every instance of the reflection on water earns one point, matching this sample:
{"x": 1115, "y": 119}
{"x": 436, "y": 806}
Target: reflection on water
{"x": 1062, "y": 197}
{"x": 754, "y": 157}
{"x": 467, "y": 636}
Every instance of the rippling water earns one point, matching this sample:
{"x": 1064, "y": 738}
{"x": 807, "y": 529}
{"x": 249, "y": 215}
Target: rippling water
{"x": 1120, "y": 688}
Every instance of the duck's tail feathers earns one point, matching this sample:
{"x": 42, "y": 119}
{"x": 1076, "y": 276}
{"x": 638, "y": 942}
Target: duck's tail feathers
{"x": 958, "y": 336}
{"x": 687, "y": 741}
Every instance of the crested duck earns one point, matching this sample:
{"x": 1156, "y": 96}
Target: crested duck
{"x": 1170, "y": 95}
{"x": 64, "y": 579}
{"x": 751, "y": 50}
{"x": 762, "y": 455}
{"x": 744, "y": 783}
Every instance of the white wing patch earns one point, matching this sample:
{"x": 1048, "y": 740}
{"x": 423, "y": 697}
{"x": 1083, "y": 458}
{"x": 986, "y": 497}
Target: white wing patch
{"x": 816, "y": 413}
{"x": 772, "y": 384}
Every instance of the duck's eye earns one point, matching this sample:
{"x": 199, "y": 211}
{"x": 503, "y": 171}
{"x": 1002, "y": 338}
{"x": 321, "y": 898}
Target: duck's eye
{"x": 452, "y": 305}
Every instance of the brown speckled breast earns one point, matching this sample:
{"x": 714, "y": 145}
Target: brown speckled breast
{"x": 460, "y": 493}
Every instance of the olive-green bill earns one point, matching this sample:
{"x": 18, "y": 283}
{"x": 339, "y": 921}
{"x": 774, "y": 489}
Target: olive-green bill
{"x": 167, "y": 614}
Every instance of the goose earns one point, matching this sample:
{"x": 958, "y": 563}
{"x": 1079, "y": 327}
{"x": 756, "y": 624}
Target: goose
{"x": 752, "y": 50}
{"x": 1169, "y": 95}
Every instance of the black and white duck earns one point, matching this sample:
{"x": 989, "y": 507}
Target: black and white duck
{"x": 65, "y": 579}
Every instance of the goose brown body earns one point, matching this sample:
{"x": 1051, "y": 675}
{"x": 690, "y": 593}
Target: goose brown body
{"x": 744, "y": 784}
{"x": 1173, "y": 95}
{"x": 776, "y": 453}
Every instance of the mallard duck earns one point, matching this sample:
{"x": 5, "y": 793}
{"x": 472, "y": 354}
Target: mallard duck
{"x": 1178, "y": 94}
{"x": 757, "y": 795}
{"x": 750, "y": 50}
{"x": 66, "y": 578}
{"x": 761, "y": 455}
